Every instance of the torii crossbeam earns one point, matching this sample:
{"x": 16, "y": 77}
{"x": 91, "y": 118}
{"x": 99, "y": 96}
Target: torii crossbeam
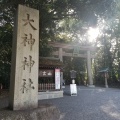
{"x": 88, "y": 49}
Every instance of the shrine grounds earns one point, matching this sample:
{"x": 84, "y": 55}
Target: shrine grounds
{"x": 89, "y": 104}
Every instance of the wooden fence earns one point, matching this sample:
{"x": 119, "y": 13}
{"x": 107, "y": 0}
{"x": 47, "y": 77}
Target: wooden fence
{"x": 46, "y": 86}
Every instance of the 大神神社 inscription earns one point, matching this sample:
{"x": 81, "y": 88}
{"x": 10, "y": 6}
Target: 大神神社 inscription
{"x": 25, "y": 55}
{"x": 30, "y": 40}
{"x": 27, "y": 85}
{"x": 29, "y": 63}
{"x": 28, "y": 21}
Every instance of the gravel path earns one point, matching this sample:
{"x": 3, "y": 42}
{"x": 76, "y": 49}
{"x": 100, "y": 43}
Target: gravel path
{"x": 90, "y": 104}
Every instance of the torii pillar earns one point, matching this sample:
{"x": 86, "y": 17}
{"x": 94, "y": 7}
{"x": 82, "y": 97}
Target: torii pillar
{"x": 61, "y": 59}
{"x": 61, "y": 54}
{"x": 89, "y": 70}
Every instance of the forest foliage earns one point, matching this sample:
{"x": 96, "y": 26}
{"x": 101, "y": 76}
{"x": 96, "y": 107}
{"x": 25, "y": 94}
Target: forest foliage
{"x": 68, "y": 21}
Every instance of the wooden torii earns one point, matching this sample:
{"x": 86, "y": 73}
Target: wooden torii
{"x": 88, "y": 49}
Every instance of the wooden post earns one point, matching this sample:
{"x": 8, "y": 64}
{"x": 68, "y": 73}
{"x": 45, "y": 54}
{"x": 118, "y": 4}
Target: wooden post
{"x": 89, "y": 69}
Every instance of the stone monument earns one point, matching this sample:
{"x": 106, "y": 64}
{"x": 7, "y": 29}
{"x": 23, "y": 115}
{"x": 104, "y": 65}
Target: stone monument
{"x": 25, "y": 59}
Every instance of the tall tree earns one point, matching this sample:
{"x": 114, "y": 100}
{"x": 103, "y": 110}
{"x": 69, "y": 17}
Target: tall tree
{"x": 60, "y": 20}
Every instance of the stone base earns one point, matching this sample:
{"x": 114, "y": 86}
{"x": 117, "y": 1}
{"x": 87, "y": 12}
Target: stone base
{"x": 106, "y": 86}
{"x": 91, "y": 85}
{"x": 50, "y": 94}
{"x": 43, "y": 112}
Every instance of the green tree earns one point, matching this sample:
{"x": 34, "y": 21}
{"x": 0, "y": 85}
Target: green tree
{"x": 76, "y": 17}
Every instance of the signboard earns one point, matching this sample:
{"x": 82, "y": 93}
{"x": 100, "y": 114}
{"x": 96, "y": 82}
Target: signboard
{"x": 46, "y": 73}
{"x": 57, "y": 78}
{"x": 73, "y": 89}
{"x": 73, "y": 74}
{"x": 76, "y": 51}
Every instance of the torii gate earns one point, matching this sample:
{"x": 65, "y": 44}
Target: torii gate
{"x": 88, "y": 49}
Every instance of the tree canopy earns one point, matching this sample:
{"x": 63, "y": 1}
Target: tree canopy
{"x": 67, "y": 21}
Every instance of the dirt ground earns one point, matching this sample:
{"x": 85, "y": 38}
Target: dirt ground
{"x": 4, "y": 93}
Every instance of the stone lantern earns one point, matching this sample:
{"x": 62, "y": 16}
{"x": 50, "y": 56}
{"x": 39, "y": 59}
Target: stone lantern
{"x": 105, "y": 72}
{"x": 73, "y": 87}
{"x": 73, "y": 76}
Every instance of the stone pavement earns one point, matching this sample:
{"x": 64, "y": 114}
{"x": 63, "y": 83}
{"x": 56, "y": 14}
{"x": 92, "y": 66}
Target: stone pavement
{"x": 90, "y": 104}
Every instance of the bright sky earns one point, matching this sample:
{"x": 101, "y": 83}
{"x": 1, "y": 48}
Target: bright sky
{"x": 93, "y": 34}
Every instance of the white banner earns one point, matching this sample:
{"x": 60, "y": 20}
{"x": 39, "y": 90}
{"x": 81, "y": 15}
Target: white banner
{"x": 73, "y": 89}
{"x": 57, "y": 78}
